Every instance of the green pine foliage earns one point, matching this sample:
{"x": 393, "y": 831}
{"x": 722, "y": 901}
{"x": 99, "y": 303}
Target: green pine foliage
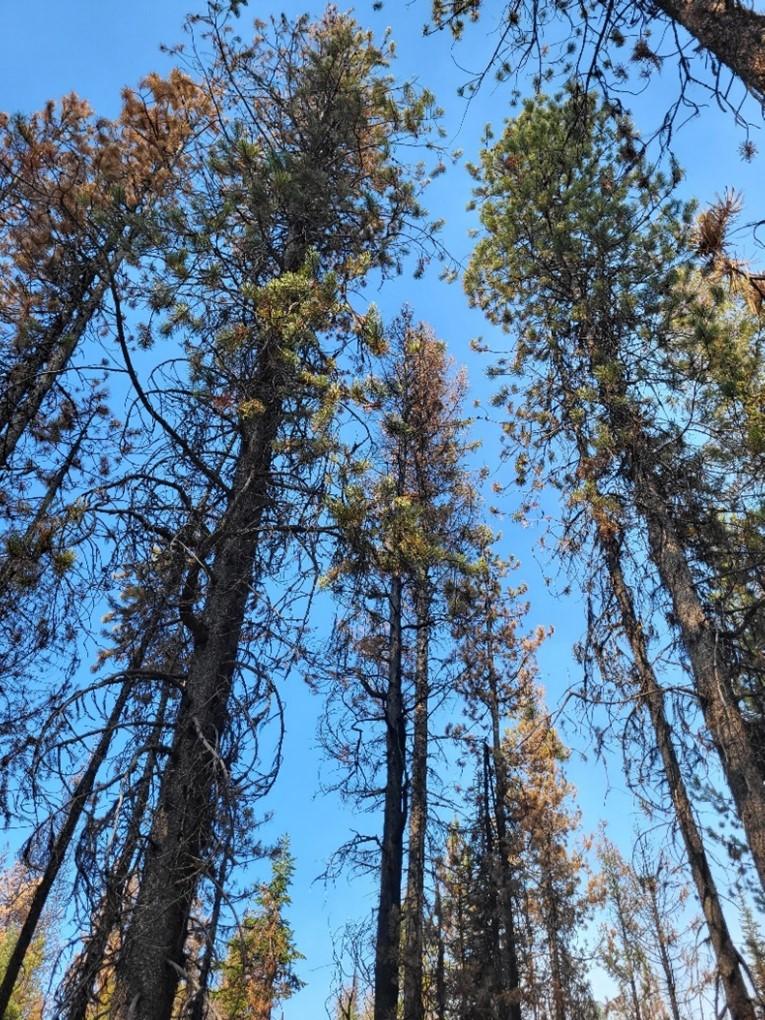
{"x": 258, "y": 972}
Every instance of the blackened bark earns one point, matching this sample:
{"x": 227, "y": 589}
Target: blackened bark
{"x": 440, "y": 976}
{"x": 510, "y": 980}
{"x": 557, "y": 978}
{"x": 666, "y": 962}
{"x": 414, "y": 1008}
{"x": 85, "y": 972}
{"x": 178, "y": 855}
{"x": 31, "y": 379}
{"x": 727, "y": 958}
{"x": 491, "y": 972}
{"x": 712, "y": 662}
{"x": 387, "y": 950}
{"x": 60, "y": 848}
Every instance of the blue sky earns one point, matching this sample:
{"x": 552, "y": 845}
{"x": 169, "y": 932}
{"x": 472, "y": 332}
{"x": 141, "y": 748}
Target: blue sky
{"x": 94, "y": 47}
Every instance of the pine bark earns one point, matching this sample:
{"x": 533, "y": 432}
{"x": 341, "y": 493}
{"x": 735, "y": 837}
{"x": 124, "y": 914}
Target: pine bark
{"x": 510, "y": 980}
{"x": 651, "y": 694}
{"x": 711, "y": 661}
{"x": 731, "y": 31}
{"x": 178, "y": 853}
{"x": 386, "y": 981}
{"x": 60, "y": 848}
{"x": 31, "y": 379}
{"x": 91, "y": 962}
{"x": 414, "y": 1008}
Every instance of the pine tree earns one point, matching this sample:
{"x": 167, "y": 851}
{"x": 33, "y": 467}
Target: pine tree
{"x": 405, "y": 515}
{"x": 467, "y": 900}
{"x": 300, "y": 196}
{"x": 595, "y": 308}
{"x": 79, "y": 201}
{"x": 509, "y": 911}
{"x": 624, "y": 953}
{"x": 258, "y": 971}
{"x": 664, "y": 902}
{"x": 146, "y": 643}
{"x": 550, "y": 866}
{"x": 440, "y": 488}
{"x": 497, "y": 681}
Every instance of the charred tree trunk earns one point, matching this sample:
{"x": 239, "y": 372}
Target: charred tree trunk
{"x": 528, "y": 928}
{"x": 511, "y": 981}
{"x": 666, "y": 963}
{"x": 440, "y": 975}
{"x": 60, "y": 848}
{"x": 491, "y": 972}
{"x": 81, "y": 981}
{"x": 196, "y": 1008}
{"x": 651, "y": 694}
{"x": 418, "y": 818}
{"x": 387, "y": 951}
{"x": 712, "y": 663}
{"x": 727, "y": 958}
{"x": 32, "y": 378}
{"x": 711, "y": 658}
{"x": 557, "y": 979}
{"x": 182, "y": 832}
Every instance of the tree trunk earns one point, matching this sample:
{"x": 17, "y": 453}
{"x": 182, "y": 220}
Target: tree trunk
{"x": 666, "y": 963}
{"x": 197, "y": 1007}
{"x": 418, "y": 818}
{"x": 712, "y": 665}
{"x": 31, "y": 379}
{"x": 490, "y": 974}
{"x": 90, "y": 963}
{"x": 650, "y": 692}
{"x": 387, "y": 951}
{"x": 179, "y": 845}
{"x": 511, "y": 981}
{"x": 733, "y": 33}
{"x": 627, "y": 945}
{"x": 59, "y": 849}
{"x": 556, "y": 977}
{"x": 711, "y": 657}
{"x": 532, "y": 981}
{"x": 726, "y": 956}
{"x": 440, "y": 976}
{"x": 556, "y": 964}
